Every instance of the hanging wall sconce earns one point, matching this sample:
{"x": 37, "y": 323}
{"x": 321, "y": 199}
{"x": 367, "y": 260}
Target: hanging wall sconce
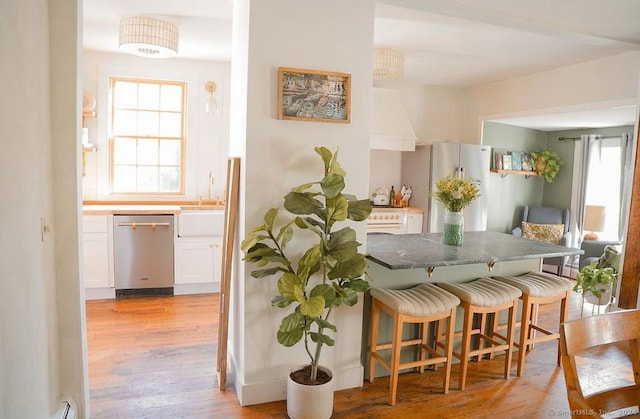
{"x": 211, "y": 105}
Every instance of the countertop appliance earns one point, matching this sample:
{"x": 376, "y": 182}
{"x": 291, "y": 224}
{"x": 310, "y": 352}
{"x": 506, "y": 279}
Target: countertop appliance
{"x": 428, "y": 163}
{"x": 143, "y": 254}
{"x": 381, "y": 196}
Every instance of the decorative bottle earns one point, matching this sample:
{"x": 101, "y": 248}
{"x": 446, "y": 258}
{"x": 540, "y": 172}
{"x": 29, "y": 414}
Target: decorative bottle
{"x": 392, "y": 197}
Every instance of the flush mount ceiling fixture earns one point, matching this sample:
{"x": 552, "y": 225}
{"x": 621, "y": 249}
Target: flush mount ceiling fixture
{"x": 388, "y": 63}
{"x": 148, "y": 37}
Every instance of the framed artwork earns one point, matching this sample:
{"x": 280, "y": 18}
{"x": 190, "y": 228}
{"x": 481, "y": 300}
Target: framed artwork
{"x": 313, "y": 95}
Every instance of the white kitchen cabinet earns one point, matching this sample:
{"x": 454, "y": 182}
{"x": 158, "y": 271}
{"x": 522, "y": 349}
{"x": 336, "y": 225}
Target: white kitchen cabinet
{"x": 198, "y": 251}
{"x": 198, "y": 260}
{"x": 97, "y": 248}
{"x": 414, "y": 222}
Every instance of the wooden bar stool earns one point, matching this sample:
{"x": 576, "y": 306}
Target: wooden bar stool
{"x": 484, "y": 297}
{"x": 538, "y": 288}
{"x": 422, "y": 304}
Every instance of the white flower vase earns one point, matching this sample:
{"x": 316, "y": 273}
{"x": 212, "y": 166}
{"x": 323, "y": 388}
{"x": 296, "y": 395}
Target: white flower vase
{"x": 453, "y": 233}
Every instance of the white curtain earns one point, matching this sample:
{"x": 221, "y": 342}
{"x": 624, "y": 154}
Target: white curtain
{"x": 589, "y": 147}
{"x": 626, "y": 181}
{"x": 586, "y": 150}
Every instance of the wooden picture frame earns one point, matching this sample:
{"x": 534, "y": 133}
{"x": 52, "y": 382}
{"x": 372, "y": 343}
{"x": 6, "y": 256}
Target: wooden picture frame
{"x": 314, "y": 95}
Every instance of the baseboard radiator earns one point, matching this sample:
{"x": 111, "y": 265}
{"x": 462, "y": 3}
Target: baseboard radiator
{"x": 66, "y": 410}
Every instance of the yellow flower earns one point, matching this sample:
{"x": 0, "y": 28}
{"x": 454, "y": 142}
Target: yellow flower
{"x": 455, "y": 193}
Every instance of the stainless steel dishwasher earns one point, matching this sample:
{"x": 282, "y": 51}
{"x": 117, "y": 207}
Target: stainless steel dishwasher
{"x": 143, "y": 254}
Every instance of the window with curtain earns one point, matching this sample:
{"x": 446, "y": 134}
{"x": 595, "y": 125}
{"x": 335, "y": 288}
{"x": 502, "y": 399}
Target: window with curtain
{"x": 147, "y": 136}
{"x": 602, "y": 188}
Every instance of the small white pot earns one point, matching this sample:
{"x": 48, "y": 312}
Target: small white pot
{"x": 310, "y": 402}
{"x": 604, "y": 299}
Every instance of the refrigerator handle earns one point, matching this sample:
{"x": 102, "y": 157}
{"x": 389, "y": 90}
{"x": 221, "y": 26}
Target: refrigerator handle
{"x": 462, "y": 172}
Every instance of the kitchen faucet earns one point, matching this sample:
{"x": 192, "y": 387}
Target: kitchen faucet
{"x": 211, "y": 181}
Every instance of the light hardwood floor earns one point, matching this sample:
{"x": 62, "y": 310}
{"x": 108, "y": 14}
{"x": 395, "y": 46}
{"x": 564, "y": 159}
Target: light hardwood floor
{"x": 154, "y": 357}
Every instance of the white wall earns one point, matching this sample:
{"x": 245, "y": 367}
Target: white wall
{"x": 276, "y": 155}
{"x": 434, "y": 113}
{"x": 596, "y": 84}
{"x": 207, "y": 134}
{"x": 41, "y": 318}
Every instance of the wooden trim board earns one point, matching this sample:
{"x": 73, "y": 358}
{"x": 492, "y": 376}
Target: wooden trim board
{"x": 230, "y": 211}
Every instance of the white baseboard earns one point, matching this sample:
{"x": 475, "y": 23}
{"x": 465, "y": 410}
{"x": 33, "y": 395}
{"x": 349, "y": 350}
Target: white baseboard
{"x": 276, "y": 389}
{"x": 183, "y": 289}
{"x": 178, "y": 289}
{"x": 99, "y": 293}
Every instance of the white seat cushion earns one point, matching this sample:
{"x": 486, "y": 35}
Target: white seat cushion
{"x": 538, "y": 284}
{"x": 421, "y": 300}
{"x": 483, "y": 292}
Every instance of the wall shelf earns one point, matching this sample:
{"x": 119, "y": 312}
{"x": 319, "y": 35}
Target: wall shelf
{"x": 525, "y": 173}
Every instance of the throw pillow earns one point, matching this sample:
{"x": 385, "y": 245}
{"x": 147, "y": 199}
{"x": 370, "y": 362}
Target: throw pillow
{"x": 551, "y": 233}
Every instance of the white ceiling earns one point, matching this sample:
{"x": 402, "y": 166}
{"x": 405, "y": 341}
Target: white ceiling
{"x": 455, "y": 43}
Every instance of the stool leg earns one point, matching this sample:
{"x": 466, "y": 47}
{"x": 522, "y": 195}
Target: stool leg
{"x": 395, "y": 358}
{"x": 510, "y": 336}
{"x": 481, "y": 331}
{"x": 466, "y": 341}
{"x": 373, "y": 342}
{"x": 451, "y": 323}
{"x": 424, "y": 330}
{"x": 438, "y": 335}
{"x": 492, "y": 327}
{"x": 525, "y": 323}
{"x": 534, "y": 320}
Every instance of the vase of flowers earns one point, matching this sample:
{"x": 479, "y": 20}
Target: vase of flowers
{"x": 455, "y": 193}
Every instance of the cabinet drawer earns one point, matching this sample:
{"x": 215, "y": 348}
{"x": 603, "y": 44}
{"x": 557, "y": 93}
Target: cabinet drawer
{"x": 95, "y": 223}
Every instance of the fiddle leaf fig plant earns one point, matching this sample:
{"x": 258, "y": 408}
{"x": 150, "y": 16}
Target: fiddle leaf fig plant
{"x": 546, "y": 163}
{"x": 329, "y": 273}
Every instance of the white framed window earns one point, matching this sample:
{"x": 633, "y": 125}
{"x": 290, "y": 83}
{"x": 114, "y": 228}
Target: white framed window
{"x": 603, "y": 184}
{"x": 147, "y": 136}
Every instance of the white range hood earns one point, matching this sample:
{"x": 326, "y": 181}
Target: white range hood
{"x": 390, "y": 126}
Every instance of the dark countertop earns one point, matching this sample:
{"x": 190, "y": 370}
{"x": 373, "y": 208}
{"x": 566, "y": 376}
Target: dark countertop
{"x": 409, "y": 251}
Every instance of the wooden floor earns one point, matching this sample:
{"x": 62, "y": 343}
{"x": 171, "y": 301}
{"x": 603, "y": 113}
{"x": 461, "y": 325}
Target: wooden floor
{"x": 154, "y": 357}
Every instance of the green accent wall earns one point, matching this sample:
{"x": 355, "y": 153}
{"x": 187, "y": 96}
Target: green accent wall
{"x": 509, "y": 194}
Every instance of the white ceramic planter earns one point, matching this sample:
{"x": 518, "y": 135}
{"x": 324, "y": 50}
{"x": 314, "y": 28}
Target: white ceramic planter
{"x": 604, "y": 299}
{"x": 310, "y": 402}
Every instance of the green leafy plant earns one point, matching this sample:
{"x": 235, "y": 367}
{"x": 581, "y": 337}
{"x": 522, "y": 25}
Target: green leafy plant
{"x": 595, "y": 280}
{"x": 331, "y": 272}
{"x": 546, "y": 163}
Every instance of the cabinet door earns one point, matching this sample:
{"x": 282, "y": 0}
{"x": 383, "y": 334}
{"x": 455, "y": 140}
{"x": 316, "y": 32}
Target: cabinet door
{"x": 197, "y": 260}
{"x": 414, "y": 223}
{"x": 96, "y": 260}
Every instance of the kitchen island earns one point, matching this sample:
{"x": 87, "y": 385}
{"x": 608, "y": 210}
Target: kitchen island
{"x": 403, "y": 261}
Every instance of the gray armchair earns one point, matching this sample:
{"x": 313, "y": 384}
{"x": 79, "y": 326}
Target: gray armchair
{"x": 593, "y": 249}
{"x": 549, "y": 215}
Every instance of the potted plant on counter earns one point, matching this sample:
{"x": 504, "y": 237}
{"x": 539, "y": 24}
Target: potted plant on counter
{"x": 546, "y": 163}
{"x": 329, "y": 273}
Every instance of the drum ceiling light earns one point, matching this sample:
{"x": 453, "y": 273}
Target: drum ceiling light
{"x": 148, "y": 37}
{"x": 388, "y": 63}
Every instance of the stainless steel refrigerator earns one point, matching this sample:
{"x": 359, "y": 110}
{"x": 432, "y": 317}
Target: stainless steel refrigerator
{"x": 423, "y": 167}
{"x": 465, "y": 160}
